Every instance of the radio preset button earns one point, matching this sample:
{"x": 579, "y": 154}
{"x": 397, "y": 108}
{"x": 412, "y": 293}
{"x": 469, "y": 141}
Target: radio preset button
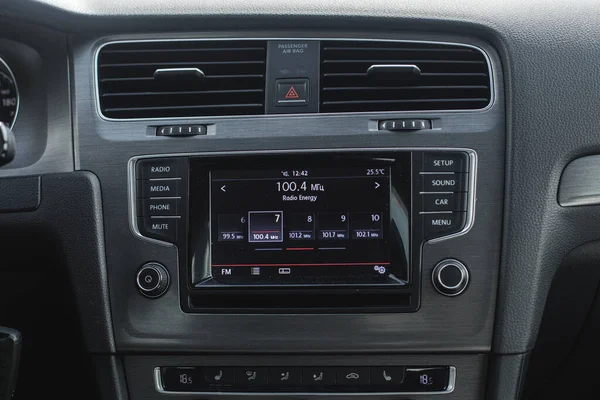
{"x": 441, "y": 224}
{"x": 444, "y": 201}
{"x": 159, "y": 168}
{"x": 159, "y": 228}
{"x": 148, "y": 207}
{"x": 444, "y": 182}
{"x": 445, "y": 162}
{"x": 160, "y": 188}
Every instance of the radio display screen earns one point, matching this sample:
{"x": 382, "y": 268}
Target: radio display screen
{"x": 311, "y": 225}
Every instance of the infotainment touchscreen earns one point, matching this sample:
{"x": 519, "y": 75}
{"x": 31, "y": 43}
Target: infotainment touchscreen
{"x": 307, "y": 225}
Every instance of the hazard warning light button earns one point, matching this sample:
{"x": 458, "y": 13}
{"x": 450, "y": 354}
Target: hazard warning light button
{"x": 292, "y": 92}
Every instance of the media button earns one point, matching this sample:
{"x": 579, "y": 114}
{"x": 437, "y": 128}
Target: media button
{"x": 251, "y": 376}
{"x": 219, "y": 375}
{"x": 317, "y": 376}
{"x": 160, "y": 188}
{"x": 282, "y": 376}
{"x": 388, "y": 376}
{"x": 353, "y": 376}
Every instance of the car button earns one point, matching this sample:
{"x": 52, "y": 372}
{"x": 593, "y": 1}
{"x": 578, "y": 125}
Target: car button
{"x": 317, "y": 376}
{"x": 251, "y": 376}
{"x": 433, "y": 379}
{"x": 444, "y": 202}
{"x": 219, "y": 375}
{"x": 444, "y": 182}
{"x": 353, "y": 376}
{"x": 388, "y": 376}
{"x": 159, "y": 168}
{"x": 441, "y": 224}
{"x": 282, "y": 376}
{"x": 160, "y": 188}
{"x": 159, "y": 228}
{"x": 445, "y": 162}
{"x": 292, "y": 92}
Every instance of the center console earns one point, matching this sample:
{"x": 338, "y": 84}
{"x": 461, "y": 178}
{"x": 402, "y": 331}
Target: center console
{"x": 283, "y": 220}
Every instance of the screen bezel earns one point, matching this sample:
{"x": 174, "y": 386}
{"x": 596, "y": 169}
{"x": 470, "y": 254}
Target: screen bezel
{"x": 199, "y": 259}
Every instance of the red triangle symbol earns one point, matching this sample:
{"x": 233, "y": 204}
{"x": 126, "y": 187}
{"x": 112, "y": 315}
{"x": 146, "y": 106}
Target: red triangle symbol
{"x": 292, "y": 94}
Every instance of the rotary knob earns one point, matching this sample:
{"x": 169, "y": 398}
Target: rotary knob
{"x": 152, "y": 280}
{"x": 450, "y": 277}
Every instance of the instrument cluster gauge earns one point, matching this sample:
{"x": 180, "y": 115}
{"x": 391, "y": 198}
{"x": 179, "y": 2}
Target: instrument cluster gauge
{"x": 9, "y": 95}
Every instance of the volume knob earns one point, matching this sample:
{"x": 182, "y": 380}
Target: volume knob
{"x": 152, "y": 280}
{"x": 450, "y": 277}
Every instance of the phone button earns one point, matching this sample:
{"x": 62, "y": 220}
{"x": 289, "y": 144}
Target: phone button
{"x": 318, "y": 376}
{"x": 216, "y": 376}
{"x": 251, "y": 376}
{"x": 387, "y": 376}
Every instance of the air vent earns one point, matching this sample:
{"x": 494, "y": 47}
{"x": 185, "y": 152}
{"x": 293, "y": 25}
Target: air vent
{"x": 182, "y": 79}
{"x": 408, "y": 77}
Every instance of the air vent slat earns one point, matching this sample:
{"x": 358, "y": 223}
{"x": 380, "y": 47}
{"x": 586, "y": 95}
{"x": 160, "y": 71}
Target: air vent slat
{"x": 233, "y": 83}
{"x": 453, "y": 77}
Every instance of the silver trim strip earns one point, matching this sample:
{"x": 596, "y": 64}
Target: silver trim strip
{"x": 366, "y": 114}
{"x": 132, "y": 187}
{"x": 579, "y": 183}
{"x": 160, "y": 389}
{"x": 12, "y": 76}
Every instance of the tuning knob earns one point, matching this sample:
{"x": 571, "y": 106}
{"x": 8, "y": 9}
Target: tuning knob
{"x": 152, "y": 280}
{"x": 450, "y": 277}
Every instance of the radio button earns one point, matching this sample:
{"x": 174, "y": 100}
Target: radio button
{"x": 444, "y": 182}
{"x": 159, "y": 228}
{"x": 159, "y": 168}
{"x": 148, "y": 207}
{"x": 160, "y": 188}
{"x": 443, "y": 224}
{"x": 445, "y": 162}
{"x": 444, "y": 202}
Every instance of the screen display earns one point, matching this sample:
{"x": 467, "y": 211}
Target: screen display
{"x": 324, "y": 225}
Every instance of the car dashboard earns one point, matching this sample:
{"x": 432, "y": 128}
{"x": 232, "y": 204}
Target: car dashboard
{"x": 297, "y": 200}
